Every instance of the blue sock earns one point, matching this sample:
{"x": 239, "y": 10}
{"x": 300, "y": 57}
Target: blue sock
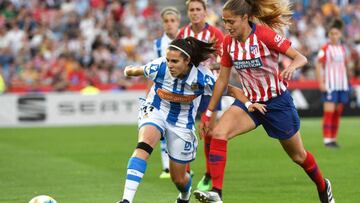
{"x": 135, "y": 171}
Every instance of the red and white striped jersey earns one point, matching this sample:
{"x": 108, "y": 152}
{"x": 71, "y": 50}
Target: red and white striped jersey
{"x": 208, "y": 34}
{"x": 256, "y": 62}
{"x": 333, "y": 58}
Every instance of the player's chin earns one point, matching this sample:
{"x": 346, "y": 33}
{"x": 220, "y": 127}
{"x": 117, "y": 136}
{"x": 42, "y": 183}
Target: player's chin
{"x": 233, "y": 34}
{"x": 173, "y": 74}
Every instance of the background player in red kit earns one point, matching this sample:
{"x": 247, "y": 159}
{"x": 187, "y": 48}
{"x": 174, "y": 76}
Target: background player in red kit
{"x": 201, "y": 30}
{"x": 332, "y": 76}
{"x": 253, "y": 50}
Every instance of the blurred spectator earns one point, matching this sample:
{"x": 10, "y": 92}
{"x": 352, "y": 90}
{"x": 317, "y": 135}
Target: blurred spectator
{"x": 54, "y": 45}
{"x": 2, "y": 84}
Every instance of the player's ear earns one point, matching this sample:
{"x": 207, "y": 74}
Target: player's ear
{"x": 187, "y": 60}
{"x": 245, "y": 17}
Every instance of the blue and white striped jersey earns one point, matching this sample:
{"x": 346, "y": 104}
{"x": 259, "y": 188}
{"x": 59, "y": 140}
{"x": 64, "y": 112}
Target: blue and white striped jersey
{"x": 161, "y": 44}
{"x": 178, "y": 98}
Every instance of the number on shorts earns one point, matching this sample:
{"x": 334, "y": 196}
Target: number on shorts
{"x": 146, "y": 110}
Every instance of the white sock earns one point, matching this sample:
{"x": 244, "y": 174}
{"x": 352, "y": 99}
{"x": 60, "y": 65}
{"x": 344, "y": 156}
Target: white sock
{"x": 164, "y": 155}
{"x": 135, "y": 172}
{"x": 185, "y": 195}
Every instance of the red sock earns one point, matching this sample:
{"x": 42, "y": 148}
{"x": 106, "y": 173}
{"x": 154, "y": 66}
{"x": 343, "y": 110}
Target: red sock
{"x": 311, "y": 168}
{"x": 217, "y": 162}
{"x": 336, "y": 120}
{"x": 207, "y": 141}
{"x": 327, "y": 124}
{"x": 188, "y": 168}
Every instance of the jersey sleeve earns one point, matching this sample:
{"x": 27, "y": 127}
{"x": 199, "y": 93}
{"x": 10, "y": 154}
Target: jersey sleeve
{"x": 226, "y": 60}
{"x": 209, "y": 81}
{"x": 151, "y": 69}
{"x": 272, "y": 39}
{"x": 157, "y": 47}
{"x": 321, "y": 56}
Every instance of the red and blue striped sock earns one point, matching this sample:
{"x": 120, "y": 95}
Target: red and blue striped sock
{"x": 313, "y": 171}
{"x": 217, "y": 162}
{"x": 327, "y": 125}
{"x": 336, "y": 120}
{"x": 207, "y": 142}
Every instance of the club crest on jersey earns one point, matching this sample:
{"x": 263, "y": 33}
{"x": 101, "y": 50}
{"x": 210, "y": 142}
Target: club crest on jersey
{"x": 194, "y": 86}
{"x": 254, "y": 49}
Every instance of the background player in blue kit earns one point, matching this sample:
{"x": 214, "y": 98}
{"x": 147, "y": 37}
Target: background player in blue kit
{"x": 170, "y": 17}
{"x": 170, "y": 109}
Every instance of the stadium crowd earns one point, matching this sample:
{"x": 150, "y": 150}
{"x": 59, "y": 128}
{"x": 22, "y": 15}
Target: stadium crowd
{"x": 58, "y": 45}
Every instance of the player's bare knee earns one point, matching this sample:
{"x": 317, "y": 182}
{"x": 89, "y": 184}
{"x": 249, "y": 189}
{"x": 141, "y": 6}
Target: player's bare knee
{"x": 219, "y": 133}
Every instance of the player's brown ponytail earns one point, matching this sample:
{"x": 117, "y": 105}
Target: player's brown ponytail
{"x": 273, "y": 13}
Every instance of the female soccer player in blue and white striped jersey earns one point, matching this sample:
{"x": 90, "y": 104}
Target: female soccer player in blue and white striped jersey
{"x": 169, "y": 110}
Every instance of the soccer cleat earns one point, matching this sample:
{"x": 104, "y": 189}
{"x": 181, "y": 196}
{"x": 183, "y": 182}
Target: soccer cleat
{"x": 326, "y": 196}
{"x": 165, "y": 174}
{"x": 124, "y": 201}
{"x": 205, "y": 183}
{"x": 178, "y": 200}
{"x": 333, "y": 145}
{"x": 207, "y": 196}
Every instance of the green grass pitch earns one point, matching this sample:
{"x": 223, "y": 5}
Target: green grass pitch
{"x": 88, "y": 165}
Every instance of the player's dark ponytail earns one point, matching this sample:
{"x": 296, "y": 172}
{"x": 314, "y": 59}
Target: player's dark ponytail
{"x": 197, "y": 50}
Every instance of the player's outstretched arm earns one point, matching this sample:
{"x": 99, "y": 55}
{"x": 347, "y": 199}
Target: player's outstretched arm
{"x": 134, "y": 71}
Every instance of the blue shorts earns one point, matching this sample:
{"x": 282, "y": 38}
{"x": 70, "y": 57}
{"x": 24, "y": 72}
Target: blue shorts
{"x": 281, "y": 121}
{"x": 336, "y": 97}
{"x": 204, "y": 103}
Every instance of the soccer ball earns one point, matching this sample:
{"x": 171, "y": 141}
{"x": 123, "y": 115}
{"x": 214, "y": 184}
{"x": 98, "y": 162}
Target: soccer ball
{"x": 42, "y": 199}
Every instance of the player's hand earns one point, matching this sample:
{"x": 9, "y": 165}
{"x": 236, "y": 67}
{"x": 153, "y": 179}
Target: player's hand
{"x": 322, "y": 87}
{"x": 287, "y": 73}
{"x": 126, "y": 71}
{"x": 257, "y": 106}
{"x": 204, "y": 125}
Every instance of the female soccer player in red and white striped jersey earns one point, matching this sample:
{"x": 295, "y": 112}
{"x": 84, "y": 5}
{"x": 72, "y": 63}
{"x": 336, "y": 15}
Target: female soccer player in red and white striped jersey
{"x": 332, "y": 76}
{"x": 253, "y": 49}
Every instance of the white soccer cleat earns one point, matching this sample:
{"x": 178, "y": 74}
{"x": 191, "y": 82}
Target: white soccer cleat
{"x": 207, "y": 196}
{"x": 327, "y": 195}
